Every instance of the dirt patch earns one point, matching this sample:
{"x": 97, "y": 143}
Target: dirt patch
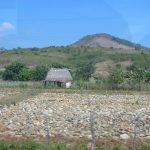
{"x": 102, "y": 68}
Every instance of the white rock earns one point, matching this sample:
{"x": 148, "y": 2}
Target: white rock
{"x": 124, "y": 136}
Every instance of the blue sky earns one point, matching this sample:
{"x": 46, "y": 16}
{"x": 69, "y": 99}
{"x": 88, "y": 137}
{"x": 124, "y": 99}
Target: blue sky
{"x": 42, "y": 23}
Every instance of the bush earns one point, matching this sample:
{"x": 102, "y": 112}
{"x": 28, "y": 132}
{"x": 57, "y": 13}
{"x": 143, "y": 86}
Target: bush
{"x": 58, "y": 65}
{"x": 138, "y": 75}
{"x": 117, "y": 77}
{"x": 1, "y": 74}
{"x": 84, "y": 71}
{"x": 25, "y": 75}
{"x": 39, "y": 73}
{"x": 12, "y": 71}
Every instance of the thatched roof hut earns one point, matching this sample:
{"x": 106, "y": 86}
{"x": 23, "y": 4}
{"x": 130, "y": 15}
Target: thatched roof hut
{"x": 58, "y": 77}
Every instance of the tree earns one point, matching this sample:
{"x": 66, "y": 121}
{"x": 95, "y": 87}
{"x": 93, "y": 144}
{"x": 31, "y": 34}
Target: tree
{"x": 12, "y": 71}
{"x": 39, "y": 73}
{"x": 25, "y": 75}
{"x": 85, "y": 71}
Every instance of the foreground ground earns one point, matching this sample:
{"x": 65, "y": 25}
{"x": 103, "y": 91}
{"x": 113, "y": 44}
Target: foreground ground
{"x": 67, "y": 115}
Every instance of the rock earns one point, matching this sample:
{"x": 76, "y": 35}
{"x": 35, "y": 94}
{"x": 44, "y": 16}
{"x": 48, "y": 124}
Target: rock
{"x": 124, "y": 137}
{"x": 18, "y": 136}
{"x": 9, "y": 133}
{"x": 147, "y": 137}
{"x": 89, "y": 137}
{"x": 69, "y": 115}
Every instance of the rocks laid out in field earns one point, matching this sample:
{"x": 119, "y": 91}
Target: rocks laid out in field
{"x": 69, "y": 115}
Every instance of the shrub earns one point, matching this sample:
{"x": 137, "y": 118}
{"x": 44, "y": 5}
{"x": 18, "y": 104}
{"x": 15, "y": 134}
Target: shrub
{"x": 84, "y": 71}
{"x": 117, "y": 77}
{"x": 39, "y": 73}
{"x": 12, "y": 71}
{"x": 58, "y": 65}
{"x": 25, "y": 75}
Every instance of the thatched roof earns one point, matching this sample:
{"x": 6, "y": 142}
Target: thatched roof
{"x": 61, "y": 75}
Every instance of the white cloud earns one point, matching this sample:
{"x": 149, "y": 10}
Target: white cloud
{"x": 6, "y": 26}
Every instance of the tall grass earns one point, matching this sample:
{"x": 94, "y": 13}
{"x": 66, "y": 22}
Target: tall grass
{"x": 20, "y": 84}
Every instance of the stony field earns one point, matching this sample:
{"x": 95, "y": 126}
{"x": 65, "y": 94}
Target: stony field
{"x": 114, "y": 116}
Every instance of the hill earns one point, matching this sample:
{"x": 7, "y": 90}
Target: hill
{"x": 106, "y": 40}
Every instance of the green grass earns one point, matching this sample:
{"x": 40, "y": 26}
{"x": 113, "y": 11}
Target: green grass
{"x": 31, "y": 145}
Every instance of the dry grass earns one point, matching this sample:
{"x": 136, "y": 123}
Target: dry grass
{"x": 10, "y": 96}
{"x": 13, "y": 96}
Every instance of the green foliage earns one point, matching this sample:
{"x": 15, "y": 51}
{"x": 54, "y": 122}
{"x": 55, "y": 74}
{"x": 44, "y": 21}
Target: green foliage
{"x": 39, "y": 73}
{"x": 31, "y": 145}
{"x": 133, "y": 78}
{"x": 25, "y": 75}
{"x": 147, "y": 76}
{"x": 139, "y": 75}
{"x": 34, "y": 49}
{"x": 58, "y": 65}
{"x": 80, "y": 84}
{"x": 12, "y": 71}
{"x": 4, "y": 146}
{"x": 117, "y": 77}
{"x": 76, "y": 59}
{"x": 1, "y": 74}
{"x": 26, "y": 145}
{"x": 85, "y": 71}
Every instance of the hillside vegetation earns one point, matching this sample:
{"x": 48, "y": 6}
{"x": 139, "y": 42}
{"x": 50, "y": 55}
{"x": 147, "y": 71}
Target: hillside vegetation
{"x": 72, "y": 57}
{"x": 85, "y": 63}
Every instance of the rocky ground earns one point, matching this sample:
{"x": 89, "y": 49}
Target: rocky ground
{"x": 69, "y": 115}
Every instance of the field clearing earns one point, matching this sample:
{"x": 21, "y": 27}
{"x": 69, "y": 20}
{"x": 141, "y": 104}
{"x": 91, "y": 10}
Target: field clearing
{"x": 66, "y": 113}
{"x": 11, "y": 96}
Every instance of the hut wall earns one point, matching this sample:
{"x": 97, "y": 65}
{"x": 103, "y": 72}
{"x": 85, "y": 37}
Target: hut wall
{"x": 68, "y": 84}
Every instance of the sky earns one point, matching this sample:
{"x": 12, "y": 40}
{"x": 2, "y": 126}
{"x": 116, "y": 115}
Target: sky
{"x": 43, "y": 23}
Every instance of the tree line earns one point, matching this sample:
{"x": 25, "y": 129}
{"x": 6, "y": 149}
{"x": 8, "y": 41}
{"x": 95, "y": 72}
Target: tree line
{"x": 20, "y": 72}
